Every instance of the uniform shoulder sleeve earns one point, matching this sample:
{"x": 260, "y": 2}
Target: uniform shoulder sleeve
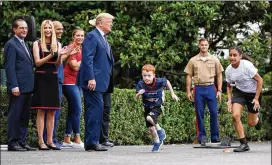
{"x": 219, "y": 68}
{"x": 189, "y": 69}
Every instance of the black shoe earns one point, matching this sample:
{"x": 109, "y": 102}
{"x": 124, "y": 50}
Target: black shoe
{"x": 203, "y": 141}
{"x": 43, "y": 149}
{"x": 28, "y": 148}
{"x": 16, "y": 148}
{"x": 52, "y": 147}
{"x": 215, "y": 141}
{"x": 107, "y": 144}
{"x": 258, "y": 126}
{"x": 242, "y": 148}
{"x": 95, "y": 147}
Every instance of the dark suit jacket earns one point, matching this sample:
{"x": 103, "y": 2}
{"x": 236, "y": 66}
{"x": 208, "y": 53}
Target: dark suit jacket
{"x": 18, "y": 66}
{"x": 97, "y": 63}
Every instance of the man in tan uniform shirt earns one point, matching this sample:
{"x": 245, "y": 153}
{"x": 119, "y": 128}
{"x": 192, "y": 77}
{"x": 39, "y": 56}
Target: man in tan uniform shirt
{"x": 202, "y": 70}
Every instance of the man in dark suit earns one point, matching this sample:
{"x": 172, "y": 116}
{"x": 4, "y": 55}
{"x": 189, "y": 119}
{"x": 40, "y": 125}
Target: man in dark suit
{"x": 18, "y": 65}
{"x": 94, "y": 78}
{"x": 104, "y": 134}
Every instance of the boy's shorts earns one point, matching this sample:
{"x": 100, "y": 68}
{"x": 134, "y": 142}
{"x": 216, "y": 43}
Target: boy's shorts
{"x": 244, "y": 98}
{"x": 154, "y": 113}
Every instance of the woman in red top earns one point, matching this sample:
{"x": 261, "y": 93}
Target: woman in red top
{"x": 72, "y": 92}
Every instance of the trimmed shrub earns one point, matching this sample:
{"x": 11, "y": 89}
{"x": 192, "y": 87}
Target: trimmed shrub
{"x": 127, "y": 126}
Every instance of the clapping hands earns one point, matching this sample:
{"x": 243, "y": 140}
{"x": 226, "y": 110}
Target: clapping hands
{"x": 66, "y": 50}
{"x": 75, "y": 50}
{"x": 54, "y": 54}
{"x": 69, "y": 50}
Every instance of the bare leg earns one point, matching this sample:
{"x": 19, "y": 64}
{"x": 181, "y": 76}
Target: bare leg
{"x": 67, "y": 139}
{"x": 40, "y": 127}
{"x": 77, "y": 139}
{"x": 150, "y": 120}
{"x": 153, "y": 133}
{"x": 252, "y": 119}
{"x": 236, "y": 117}
{"x": 152, "y": 129}
{"x": 50, "y": 127}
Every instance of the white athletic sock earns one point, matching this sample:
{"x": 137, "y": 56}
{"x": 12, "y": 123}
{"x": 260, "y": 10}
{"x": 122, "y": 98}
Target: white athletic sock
{"x": 157, "y": 140}
{"x": 158, "y": 127}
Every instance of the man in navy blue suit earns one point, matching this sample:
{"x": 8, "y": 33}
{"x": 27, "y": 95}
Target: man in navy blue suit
{"x": 18, "y": 65}
{"x": 95, "y": 77}
{"x": 104, "y": 134}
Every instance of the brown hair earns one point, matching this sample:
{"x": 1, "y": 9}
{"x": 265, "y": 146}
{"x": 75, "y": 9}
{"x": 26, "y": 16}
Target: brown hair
{"x": 241, "y": 53}
{"x": 148, "y": 68}
{"x": 76, "y": 30}
{"x": 15, "y": 23}
{"x": 202, "y": 39}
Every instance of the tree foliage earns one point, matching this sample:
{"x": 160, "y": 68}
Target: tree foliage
{"x": 162, "y": 33}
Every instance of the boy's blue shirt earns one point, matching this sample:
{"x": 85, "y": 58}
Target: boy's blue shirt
{"x": 153, "y": 92}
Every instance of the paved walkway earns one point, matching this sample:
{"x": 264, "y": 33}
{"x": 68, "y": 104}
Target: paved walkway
{"x": 260, "y": 154}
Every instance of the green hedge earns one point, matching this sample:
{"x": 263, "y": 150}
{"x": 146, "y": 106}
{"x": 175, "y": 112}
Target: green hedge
{"x": 127, "y": 125}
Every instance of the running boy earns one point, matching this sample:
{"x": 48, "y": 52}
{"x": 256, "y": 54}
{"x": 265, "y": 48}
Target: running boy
{"x": 151, "y": 89}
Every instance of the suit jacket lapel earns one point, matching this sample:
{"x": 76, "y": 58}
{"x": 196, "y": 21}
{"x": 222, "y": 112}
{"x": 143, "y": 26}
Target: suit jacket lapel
{"x": 30, "y": 55}
{"x": 104, "y": 43}
{"x": 22, "y": 48}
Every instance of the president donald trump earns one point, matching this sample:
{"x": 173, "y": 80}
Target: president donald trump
{"x": 95, "y": 77}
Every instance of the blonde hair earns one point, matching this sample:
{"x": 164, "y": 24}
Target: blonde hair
{"x": 99, "y": 18}
{"x": 54, "y": 43}
{"x": 56, "y": 23}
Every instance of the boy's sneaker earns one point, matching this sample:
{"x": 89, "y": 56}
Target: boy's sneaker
{"x": 161, "y": 134}
{"x": 258, "y": 126}
{"x": 157, "y": 146}
{"x": 67, "y": 145}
